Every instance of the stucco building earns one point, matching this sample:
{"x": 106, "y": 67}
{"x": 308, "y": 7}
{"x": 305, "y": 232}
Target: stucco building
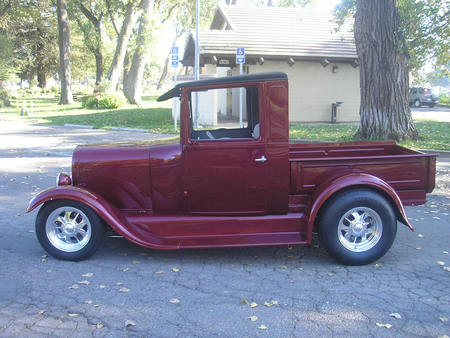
{"x": 320, "y": 61}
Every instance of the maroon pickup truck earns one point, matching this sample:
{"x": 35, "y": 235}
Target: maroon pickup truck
{"x": 233, "y": 180}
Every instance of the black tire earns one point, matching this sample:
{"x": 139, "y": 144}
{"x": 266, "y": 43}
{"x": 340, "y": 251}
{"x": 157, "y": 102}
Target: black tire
{"x": 432, "y": 105}
{"x": 362, "y": 203}
{"x": 417, "y": 103}
{"x": 74, "y": 246}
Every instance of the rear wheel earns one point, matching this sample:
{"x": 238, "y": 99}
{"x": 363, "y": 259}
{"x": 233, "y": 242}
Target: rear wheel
{"x": 357, "y": 226}
{"x": 69, "y": 230}
{"x": 417, "y": 103}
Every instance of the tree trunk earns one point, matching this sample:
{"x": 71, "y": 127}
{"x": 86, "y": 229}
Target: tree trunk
{"x": 42, "y": 78}
{"x": 64, "y": 53}
{"x": 132, "y": 84}
{"x": 122, "y": 42}
{"x": 384, "y": 79}
{"x": 98, "y": 67}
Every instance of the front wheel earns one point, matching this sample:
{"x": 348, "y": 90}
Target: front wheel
{"x": 69, "y": 230}
{"x": 357, "y": 226}
{"x": 417, "y": 103}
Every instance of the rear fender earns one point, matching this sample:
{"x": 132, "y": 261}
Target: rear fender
{"x": 105, "y": 210}
{"x": 328, "y": 189}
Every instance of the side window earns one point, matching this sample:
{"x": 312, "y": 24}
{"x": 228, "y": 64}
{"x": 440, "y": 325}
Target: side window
{"x": 215, "y": 114}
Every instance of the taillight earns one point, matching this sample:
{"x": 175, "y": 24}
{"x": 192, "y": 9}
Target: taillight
{"x": 426, "y": 92}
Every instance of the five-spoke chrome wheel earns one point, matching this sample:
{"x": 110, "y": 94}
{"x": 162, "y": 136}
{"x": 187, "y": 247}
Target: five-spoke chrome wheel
{"x": 360, "y": 229}
{"x": 357, "y": 226}
{"x": 68, "y": 229}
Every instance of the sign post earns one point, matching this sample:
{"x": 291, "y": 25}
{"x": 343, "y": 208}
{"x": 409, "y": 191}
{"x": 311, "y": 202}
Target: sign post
{"x": 174, "y": 64}
{"x": 240, "y": 60}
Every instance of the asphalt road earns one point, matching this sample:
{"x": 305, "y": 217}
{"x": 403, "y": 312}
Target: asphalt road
{"x": 201, "y": 292}
{"x": 437, "y": 113}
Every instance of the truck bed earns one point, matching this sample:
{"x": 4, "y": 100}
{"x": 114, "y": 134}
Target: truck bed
{"x": 409, "y": 172}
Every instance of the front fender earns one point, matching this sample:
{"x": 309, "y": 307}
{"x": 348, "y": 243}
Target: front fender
{"x": 327, "y": 189}
{"x": 106, "y": 211}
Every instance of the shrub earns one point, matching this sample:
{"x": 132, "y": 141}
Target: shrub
{"x": 111, "y": 101}
{"x": 89, "y": 101}
{"x": 444, "y": 99}
{"x": 5, "y": 99}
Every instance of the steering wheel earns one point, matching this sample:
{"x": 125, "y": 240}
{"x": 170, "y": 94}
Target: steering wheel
{"x": 210, "y": 136}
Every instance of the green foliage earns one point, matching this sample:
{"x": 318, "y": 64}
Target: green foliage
{"x": 444, "y": 99}
{"x": 6, "y": 55}
{"x": 89, "y": 101}
{"x": 424, "y": 25}
{"x": 5, "y": 99}
{"x": 111, "y": 101}
{"x": 103, "y": 101}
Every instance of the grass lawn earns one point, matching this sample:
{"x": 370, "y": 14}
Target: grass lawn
{"x": 157, "y": 118}
{"x": 154, "y": 116}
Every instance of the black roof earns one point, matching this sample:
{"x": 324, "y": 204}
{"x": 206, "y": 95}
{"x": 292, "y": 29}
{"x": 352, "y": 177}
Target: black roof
{"x": 176, "y": 91}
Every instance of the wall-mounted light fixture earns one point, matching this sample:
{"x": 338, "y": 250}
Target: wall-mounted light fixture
{"x": 324, "y": 62}
{"x": 261, "y": 60}
{"x": 335, "y": 69}
{"x": 214, "y": 60}
{"x": 355, "y": 63}
{"x": 291, "y": 62}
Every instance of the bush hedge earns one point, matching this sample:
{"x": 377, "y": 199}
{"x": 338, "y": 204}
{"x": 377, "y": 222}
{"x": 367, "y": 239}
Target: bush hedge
{"x": 103, "y": 101}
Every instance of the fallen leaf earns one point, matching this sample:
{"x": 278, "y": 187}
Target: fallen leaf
{"x": 441, "y": 263}
{"x": 31, "y": 231}
{"x": 102, "y": 286}
{"x": 419, "y": 248}
{"x": 253, "y": 304}
{"x": 300, "y": 269}
{"x": 269, "y": 304}
{"x": 244, "y": 301}
{"x": 396, "y": 315}
{"x": 175, "y": 269}
{"x": 125, "y": 270}
{"x": 387, "y": 326}
{"x": 88, "y": 301}
{"x": 124, "y": 254}
{"x": 43, "y": 260}
{"x": 447, "y": 268}
{"x": 136, "y": 262}
{"x": 283, "y": 267}
{"x": 330, "y": 274}
{"x": 41, "y": 312}
{"x": 160, "y": 272}
{"x": 445, "y": 252}
{"x": 275, "y": 302}
{"x": 73, "y": 314}
{"x": 420, "y": 235}
{"x": 119, "y": 283}
{"x": 444, "y": 336}
{"x": 49, "y": 270}
{"x": 174, "y": 300}
{"x": 89, "y": 274}
{"x": 84, "y": 282}
{"x": 130, "y": 323}
{"x": 124, "y": 290}
{"x": 377, "y": 265}
{"x": 75, "y": 286}
{"x": 262, "y": 327}
{"x": 253, "y": 318}
{"x": 99, "y": 325}
{"x": 443, "y": 319}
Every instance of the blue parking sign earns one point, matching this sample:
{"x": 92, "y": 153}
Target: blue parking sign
{"x": 240, "y": 59}
{"x": 240, "y": 51}
{"x": 174, "y": 50}
{"x": 174, "y": 57}
{"x": 174, "y": 64}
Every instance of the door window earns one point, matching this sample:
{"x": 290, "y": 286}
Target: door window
{"x": 224, "y": 113}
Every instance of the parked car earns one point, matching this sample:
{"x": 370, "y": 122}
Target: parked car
{"x": 420, "y": 96}
{"x": 235, "y": 185}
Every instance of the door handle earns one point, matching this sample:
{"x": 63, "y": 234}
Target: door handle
{"x": 261, "y": 159}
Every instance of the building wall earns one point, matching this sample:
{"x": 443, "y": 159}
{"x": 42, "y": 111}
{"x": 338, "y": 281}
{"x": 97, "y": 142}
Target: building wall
{"x": 313, "y": 88}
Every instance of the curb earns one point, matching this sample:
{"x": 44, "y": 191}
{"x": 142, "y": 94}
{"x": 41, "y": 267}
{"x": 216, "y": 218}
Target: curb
{"x": 130, "y": 129}
{"x": 78, "y": 126}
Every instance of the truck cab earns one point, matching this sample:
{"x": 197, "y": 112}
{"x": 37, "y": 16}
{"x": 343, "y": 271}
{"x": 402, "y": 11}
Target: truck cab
{"x": 234, "y": 179}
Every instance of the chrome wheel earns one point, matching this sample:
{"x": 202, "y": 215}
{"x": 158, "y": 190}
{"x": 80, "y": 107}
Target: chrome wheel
{"x": 68, "y": 229}
{"x": 360, "y": 229}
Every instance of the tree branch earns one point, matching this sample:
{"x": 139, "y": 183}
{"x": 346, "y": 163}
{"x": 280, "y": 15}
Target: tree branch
{"x": 91, "y": 17}
{"x": 6, "y": 8}
{"x": 108, "y": 6}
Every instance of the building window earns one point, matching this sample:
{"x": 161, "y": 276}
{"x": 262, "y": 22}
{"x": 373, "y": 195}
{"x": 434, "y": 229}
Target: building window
{"x": 219, "y": 114}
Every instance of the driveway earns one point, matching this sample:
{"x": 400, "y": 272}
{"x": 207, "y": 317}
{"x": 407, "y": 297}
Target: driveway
{"x": 128, "y": 290}
{"x": 437, "y": 113}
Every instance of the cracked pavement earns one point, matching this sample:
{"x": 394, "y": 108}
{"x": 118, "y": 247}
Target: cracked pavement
{"x": 208, "y": 292}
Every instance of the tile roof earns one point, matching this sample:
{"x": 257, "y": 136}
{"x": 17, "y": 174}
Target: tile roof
{"x": 278, "y": 32}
